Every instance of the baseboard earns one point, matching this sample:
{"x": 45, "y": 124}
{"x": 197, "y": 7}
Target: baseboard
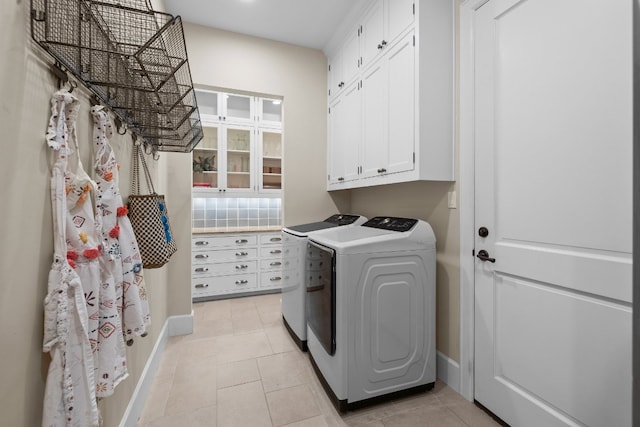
{"x": 174, "y": 325}
{"x": 180, "y": 325}
{"x": 448, "y": 371}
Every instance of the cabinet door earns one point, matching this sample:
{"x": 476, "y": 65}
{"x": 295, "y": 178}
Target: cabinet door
{"x": 375, "y": 118}
{"x": 270, "y": 154}
{"x": 237, "y": 108}
{"x": 399, "y": 16}
{"x": 345, "y": 135}
{"x": 270, "y": 112}
{"x": 239, "y": 170}
{"x": 209, "y": 105}
{"x": 206, "y": 158}
{"x": 400, "y": 63}
{"x": 350, "y": 61}
{"x": 372, "y": 34}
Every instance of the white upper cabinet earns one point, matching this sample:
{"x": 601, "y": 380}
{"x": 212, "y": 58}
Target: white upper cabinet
{"x": 241, "y": 151}
{"x": 382, "y": 26}
{"x": 345, "y": 64}
{"x": 270, "y": 112}
{"x": 225, "y": 107}
{"x": 394, "y": 122}
{"x": 345, "y": 131}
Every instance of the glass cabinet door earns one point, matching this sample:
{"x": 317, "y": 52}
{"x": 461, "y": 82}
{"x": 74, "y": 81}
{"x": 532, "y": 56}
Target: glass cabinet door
{"x": 208, "y": 105}
{"x": 239, "y": 158}
{"x": 270, "y": 112}
{"x": 238, "y": 108}
{"x": 206, "y": 159}
{"x": 271, "y": 156}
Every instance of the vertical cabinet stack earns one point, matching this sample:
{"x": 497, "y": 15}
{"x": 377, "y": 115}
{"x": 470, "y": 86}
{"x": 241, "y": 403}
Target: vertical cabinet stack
{"x": 234, "y": 264}
{"x": 241, "y": 150}
{"x": 391, "y": 96}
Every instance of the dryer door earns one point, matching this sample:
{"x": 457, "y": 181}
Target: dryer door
{"x": 320, "y": 281}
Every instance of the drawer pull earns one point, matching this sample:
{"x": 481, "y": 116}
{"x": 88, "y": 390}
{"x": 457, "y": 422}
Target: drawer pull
{"x": 242, "y": 282}
{"x": 242, "y": 241}
{"x": 202, "y": 285}
{"x": 275, "y": 251}
{"x": 202, "y": 243}
{"x": 241, "y": 266}
{"x": 201, "y": 256}
{"x": 242, "y": 253}
{"x": 275, "y": 279}
{"x": 202, "y": 270}
{"x": 275, "y": 239}
{"x": 275, "y": 263}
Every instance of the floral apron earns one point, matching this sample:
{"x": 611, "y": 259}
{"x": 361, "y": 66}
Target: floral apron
{"x": 70, "y": 398}
{"x": 118, "y": 238}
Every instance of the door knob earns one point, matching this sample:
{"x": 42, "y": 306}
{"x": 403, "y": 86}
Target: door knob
{"x": 484, "y": 256}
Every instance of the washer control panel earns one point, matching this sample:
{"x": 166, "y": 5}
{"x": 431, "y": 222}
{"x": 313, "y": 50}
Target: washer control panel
{"x": 391, "y": 223}
{"x": 340, "y": 219}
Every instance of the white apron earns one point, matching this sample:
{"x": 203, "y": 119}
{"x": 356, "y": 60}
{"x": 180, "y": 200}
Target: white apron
{"x": 117, "y": 233}
{"x": 70, "y": 398}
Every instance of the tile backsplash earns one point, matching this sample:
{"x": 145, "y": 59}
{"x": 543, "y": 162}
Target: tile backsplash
{"x": 246, "y": 212}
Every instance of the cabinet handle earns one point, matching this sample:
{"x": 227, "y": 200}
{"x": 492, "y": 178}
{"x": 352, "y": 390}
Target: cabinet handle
{"x": 201, "y": 285}
{"x": 341, "y": 179}
{"x": 382, "y": 170}
{"x": 241, "y": 266}
{"x": 201, "y": 256}
{"x": 275, "y": 251}
{"x": 275, "y": 239}
{"x": 275, "y": 279}
{"x": 242, "y": 282}
{"x": 242, "y": 253}
{"x": 202, "y": 243}
{"x": 201, "y": 270}
{"x": 276, "y": 263}
{"x": 242, "y": 241}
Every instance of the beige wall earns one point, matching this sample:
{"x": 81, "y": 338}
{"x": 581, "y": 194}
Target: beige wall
{"x": 232, "y": 61}
{"x": 27, "y": 233}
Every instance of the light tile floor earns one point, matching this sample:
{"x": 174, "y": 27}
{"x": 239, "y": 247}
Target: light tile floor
{"x": 241, "y": 368}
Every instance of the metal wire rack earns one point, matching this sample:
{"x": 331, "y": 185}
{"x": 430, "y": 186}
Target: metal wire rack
{"x": 132, "y": 58}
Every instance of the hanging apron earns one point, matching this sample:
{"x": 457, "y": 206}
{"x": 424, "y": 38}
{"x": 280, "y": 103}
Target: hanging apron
{"x": 117, "y": 233}
{"x": 70, "y": 398}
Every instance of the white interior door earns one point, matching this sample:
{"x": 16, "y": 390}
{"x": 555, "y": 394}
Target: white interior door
{"x": 553, "y": 145}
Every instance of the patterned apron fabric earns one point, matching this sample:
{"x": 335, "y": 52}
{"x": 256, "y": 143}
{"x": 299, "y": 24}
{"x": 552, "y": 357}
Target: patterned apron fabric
{"x": 70, "y": 398}
{"x": 117, "y": 233}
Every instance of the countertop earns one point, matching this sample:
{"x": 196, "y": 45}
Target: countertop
{"x": 214, "y": 230}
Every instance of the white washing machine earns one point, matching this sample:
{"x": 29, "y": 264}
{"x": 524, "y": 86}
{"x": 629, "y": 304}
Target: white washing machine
{"x": 294, "y": 248}
{"x": 371, "y": 310}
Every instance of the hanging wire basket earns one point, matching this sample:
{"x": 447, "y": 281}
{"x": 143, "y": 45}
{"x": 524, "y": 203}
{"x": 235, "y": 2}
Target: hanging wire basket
{"x": 132, "y": 58}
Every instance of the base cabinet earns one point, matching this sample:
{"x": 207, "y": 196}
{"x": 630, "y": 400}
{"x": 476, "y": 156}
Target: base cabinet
{"x": 231, "y": 264}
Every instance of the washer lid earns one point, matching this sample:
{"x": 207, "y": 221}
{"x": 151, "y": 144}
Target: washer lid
{"x": 336, "y": 220}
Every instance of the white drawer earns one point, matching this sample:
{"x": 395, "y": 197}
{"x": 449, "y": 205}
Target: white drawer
{"x": 271, "y": 279}
{"x": 223, "y": 284}
{"x": 207, "y": 257}
{"x": 271, "y": 264}
{"x": 224, "y": 240}
{"x": 201, "y": 270}
{"x": 271, "y": 251}
{"x": 275, "y": 238}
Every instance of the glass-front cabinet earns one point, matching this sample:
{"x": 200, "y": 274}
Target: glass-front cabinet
{"x": 241, "y": 150}
{"x": 271, "y": 154}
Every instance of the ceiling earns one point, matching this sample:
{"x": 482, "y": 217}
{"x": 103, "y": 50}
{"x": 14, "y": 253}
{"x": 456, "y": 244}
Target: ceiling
{"x": 308, "y": 23}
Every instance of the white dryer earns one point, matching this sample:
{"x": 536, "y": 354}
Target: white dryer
{"x": 294, "y": 247}
{"x": 371, "y": 309}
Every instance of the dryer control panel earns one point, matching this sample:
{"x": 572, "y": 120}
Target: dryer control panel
{"x": 391, "y": 223}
